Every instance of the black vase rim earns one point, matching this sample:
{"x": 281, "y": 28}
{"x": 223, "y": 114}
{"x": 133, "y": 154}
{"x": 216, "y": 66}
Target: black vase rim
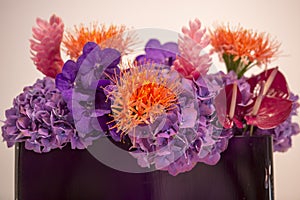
{"x": 252, "y": 136}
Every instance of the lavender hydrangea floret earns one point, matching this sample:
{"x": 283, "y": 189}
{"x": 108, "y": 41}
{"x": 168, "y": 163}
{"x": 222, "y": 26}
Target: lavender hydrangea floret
{"x": 40, "y": 118}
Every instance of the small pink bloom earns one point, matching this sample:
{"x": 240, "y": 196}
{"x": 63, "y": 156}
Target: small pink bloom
{"x": 45, "y": 45}
{"x": 193, "y": 62}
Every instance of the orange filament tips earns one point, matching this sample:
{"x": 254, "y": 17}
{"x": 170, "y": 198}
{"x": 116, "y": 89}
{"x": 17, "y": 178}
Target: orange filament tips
{"x": 151, "y": 100}
{"x": 141, "y": 95}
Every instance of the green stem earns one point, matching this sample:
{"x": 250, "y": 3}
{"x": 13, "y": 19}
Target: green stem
{"x": 251, "y": 130}
{"x": 237, "y": 66}
{"x": 227, "y": 62}
{"x": 246, "y": 68}
{"x": 245, "y": 129}
{"x": 230, "y": 63}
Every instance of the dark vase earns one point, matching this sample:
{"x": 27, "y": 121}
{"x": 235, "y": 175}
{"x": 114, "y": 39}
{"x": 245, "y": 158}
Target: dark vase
{"x": 245, "y": 171}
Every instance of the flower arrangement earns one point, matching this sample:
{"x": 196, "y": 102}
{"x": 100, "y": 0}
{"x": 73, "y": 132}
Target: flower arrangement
{"x": 165, "y": 105}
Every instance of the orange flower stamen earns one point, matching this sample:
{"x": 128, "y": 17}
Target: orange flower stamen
{"x": 111, "y": 37}
{"x": 142, "y": 94}
{"x": 244, "y": 44}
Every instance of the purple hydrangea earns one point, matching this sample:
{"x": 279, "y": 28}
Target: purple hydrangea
{"x": 81, "y": 84}
{"x": 177, "y": 140}
{"x": 206, "y": 92}
{"x": 40, "y": 118}
{"x": 161, "y": 54}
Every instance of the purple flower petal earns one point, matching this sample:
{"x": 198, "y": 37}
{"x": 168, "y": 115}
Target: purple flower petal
{"x": 40, "y": 118}
{"x": 157, "y": 53}
{"x": 70, "y": 70}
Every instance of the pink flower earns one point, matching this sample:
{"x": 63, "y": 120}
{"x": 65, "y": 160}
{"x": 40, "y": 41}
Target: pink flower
{"x": 45, "y": 45}
{"x": 193, "y": 62}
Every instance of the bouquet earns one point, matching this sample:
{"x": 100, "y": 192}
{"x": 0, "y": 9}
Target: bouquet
{"x": 163, "y": 106}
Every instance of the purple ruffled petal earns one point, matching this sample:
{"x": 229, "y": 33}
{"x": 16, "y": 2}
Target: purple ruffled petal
{"x": 157, "y": 53}
{"x": 40, "y": 118}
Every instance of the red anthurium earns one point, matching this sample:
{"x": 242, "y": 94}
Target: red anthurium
{"x": 271, "y": 106}
{"x": 272, "y": 112}
{"x": 278, "y": 86}
{"x": 228, "y": 111}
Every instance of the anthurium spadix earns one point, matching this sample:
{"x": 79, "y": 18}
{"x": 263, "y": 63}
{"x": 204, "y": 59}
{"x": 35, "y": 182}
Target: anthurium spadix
{"x": 227, "y": 106}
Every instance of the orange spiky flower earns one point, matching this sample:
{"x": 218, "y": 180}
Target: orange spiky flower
{"x": 111, "y": 37}
{"x": 142, "y": 93}
{"x": 243, "y": 48}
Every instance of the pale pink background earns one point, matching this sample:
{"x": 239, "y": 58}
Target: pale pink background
{"x": 279, "y": 18}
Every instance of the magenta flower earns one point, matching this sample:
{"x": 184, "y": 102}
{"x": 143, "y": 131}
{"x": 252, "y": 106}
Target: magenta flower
{"x": 233, "y": 96}
{"x": 282, "y": 134}
{"x": 45, "y": 45}
{"x": 227, "y": 104}
{"x": 271, "y": 105}
{"x": 268, "y": 106}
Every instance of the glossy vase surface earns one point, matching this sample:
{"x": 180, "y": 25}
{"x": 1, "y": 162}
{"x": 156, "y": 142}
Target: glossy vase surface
{"x": 245, "y": 172}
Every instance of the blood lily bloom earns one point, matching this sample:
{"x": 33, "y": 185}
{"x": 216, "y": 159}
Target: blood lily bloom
{"x": 111, "y": 37}
{"x": 241, "y": 48}
{"x": 168, "y": 118}
{"x": 141, "y": 94}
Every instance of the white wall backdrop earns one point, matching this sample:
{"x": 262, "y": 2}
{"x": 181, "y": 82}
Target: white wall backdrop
{"x": 278, "y": 17}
